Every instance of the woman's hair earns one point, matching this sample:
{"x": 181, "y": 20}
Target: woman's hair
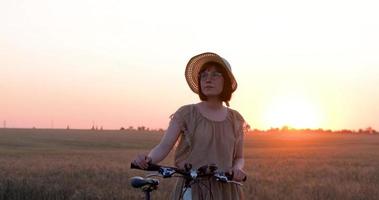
{"x": 226, "y": 93}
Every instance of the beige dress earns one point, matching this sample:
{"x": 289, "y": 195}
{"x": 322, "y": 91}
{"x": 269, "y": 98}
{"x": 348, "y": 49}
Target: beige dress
{"x": 204, "y": 141}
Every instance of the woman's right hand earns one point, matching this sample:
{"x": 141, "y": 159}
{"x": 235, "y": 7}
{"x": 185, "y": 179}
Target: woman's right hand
{"x": 142, "y": 161}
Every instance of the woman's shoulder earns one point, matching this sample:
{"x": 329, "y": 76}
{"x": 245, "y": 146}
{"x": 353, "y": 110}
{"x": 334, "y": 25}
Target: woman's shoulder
{"x": 236, "y": 114}
{"x": 185, "y": 109}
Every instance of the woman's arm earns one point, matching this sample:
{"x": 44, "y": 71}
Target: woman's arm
{"x": 239, "y": 161}
{"x": 159, "y": 152}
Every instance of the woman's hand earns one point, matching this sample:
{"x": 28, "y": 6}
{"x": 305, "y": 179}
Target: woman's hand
{"x": 238, "y": 174}
{"x": 142, "y": 161}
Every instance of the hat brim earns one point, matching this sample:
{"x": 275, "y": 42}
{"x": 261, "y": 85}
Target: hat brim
{"x": 194, "y": 66}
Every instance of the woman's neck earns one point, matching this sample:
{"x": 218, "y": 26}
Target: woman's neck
{"x": 213, "y": 104}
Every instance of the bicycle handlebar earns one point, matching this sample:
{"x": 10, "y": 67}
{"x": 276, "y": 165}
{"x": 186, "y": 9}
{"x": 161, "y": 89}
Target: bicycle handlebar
{"x": 188, "y": 172}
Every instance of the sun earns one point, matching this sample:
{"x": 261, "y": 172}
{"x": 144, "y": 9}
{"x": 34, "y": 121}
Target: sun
{"x": 293, "y": 111}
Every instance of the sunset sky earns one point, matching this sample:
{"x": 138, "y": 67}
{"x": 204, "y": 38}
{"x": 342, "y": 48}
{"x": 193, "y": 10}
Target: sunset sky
{"x": 306, "y": 64}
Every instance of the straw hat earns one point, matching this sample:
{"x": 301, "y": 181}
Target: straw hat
{"x": 195, "y": 63}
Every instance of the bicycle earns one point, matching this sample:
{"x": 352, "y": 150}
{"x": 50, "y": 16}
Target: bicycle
{"x": 190, "y": 175}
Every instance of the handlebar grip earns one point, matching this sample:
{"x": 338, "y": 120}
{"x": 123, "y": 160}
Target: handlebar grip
{"x": 151, "y": 167}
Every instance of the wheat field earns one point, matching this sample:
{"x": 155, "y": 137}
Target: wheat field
{"x": 37, "y": 164}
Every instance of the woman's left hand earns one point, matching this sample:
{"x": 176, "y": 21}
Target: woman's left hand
{"x": 238, "y": 174}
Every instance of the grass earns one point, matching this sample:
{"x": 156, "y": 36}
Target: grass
{"x": 84, "y": 164}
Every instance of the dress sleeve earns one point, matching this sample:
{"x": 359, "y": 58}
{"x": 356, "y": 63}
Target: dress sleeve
{"x": 179, "y": 117}
{"x": 241, "y": 127}
{"x": 240, "y": 123}
{"x": 182, "y": 117}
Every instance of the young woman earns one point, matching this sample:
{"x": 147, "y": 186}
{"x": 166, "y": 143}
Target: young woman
{"x": 208, "y": 132}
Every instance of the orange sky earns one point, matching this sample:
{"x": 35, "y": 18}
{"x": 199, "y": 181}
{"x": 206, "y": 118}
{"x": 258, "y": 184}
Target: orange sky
{"x": 113, "y": 64}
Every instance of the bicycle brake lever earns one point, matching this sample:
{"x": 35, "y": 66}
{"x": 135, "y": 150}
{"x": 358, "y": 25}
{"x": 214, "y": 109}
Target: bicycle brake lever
{"x": 235, "y": 182}
{"x": 166, "y": 172}
{"x": 221, "y": 177}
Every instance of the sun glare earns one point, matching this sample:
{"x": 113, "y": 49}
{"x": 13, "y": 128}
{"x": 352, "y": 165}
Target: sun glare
{"x": 292, "y": 111}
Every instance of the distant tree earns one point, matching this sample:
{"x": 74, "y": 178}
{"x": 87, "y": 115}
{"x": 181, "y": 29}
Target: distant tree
{"x": 68, "y": 127}
{"x": 285, "y": 128}
{"x": 346, "y": 131}
{"x": 370, "y": 130}
{"x": 273, "y": 130}
{"x": 122, "y": 128}
{"x": 320, "y": 130}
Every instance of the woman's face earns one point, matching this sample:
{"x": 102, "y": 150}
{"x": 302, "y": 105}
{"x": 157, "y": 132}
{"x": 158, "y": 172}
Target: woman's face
{"x": 211, "y": 82}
